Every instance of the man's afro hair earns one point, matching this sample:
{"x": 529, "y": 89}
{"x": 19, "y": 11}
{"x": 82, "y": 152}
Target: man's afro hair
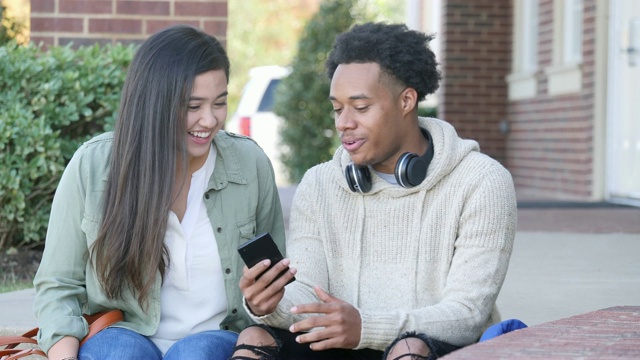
{"x": 400, "y": 52}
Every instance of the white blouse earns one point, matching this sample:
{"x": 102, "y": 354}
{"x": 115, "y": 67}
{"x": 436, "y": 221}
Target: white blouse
{"x": 192, "y": 297}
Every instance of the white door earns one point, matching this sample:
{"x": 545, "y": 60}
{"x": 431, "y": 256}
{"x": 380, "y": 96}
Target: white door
{"x": 623, "y": 103}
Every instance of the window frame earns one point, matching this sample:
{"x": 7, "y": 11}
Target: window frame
{"x": 523, "y": 81}
{"x": 564, "y": 76}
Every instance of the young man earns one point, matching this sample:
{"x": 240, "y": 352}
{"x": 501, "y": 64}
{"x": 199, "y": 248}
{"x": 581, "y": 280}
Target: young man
{"x": 404, "y": 235}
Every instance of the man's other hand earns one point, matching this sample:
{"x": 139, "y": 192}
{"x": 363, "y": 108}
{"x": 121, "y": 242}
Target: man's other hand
{"x": 338, "y": 324}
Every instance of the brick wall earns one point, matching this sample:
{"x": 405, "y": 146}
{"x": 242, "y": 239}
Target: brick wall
{"x": 612, "y": 333}
{"x": 58, "y": 22}
{"x": 550, "y": 146}
{"x": 476, "y": 58}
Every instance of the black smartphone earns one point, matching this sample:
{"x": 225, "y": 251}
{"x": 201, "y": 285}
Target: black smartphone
{"x": 259, "y": 248}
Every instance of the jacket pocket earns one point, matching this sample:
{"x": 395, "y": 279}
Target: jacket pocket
{"x": 90, "y": 228}
{"x": 247, "y": 228}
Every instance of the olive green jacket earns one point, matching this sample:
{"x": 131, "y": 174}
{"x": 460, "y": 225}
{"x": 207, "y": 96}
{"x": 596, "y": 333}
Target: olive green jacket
{"x": 241, "y": 200}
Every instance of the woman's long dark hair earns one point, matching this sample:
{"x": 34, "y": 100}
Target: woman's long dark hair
{"x": 149, "y": 141}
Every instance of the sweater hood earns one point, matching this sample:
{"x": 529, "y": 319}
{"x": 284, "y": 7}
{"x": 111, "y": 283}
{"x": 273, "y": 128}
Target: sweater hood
{"x": 449, "y": 151}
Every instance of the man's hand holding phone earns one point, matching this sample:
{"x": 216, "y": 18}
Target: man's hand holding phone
{"x": 265, "y": 275}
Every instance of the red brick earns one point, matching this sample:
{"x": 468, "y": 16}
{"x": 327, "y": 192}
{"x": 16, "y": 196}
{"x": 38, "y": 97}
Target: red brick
{"x": 201, "y": 9}
{"x": 45, "y": 40}
{"x": 150, "y": 15}
{"x": 56, "y": 24}
{"x": 216, "y": 27}
{"x": 129, "y": 41}
{"x": 82, "y": 41}
{"x": 85, "y": 7}
{"x": 115, "y": 26}
{"x": 154, "y": 26}
{"x": 475, "y": 43}
{"x": 159, "y": 8}
{"x": 43, "y": 6}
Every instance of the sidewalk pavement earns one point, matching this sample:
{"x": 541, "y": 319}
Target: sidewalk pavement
{"x": 567, "y": 259}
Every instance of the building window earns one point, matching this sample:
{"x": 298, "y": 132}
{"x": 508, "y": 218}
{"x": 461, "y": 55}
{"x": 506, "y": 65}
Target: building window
{"x": 522, "y": 80}
{"x": 529, "y": 43}
{"x": 565, "y": 73}
{"x": 573, "y": 10}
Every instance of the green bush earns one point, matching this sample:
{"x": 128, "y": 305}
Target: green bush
{"x": 301, "y": 100}
{"x": 428, "y": 111}
{"x": 51, "y": 102}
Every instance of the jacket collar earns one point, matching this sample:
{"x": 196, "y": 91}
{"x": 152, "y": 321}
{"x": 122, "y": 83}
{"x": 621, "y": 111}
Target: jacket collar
{"x": 227, "y": 167}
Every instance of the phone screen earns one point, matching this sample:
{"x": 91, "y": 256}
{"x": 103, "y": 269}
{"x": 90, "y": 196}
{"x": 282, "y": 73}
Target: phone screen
{"x": 260, "y": 248}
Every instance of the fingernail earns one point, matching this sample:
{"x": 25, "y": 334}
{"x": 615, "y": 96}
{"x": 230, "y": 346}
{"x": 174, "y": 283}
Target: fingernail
{"x": 294, "y": 309}
{"x": 265, "y": 262}
{"x": 298, "y": 339}
{"x": 291, "y": 328}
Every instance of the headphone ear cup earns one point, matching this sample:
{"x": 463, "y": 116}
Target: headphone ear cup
{"x": 411, "y": 170}
{"x": 358, "y": 178}
{"x": 350, "y": 177}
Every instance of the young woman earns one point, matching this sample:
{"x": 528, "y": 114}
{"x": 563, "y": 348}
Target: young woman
{"x": 147, "y": 219}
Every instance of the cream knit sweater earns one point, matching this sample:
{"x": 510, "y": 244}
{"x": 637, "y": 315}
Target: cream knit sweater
{"x": 430, "y": 258}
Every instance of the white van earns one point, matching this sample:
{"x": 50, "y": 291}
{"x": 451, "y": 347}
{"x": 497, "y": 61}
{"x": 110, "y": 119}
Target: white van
{"x": 255, "y": 118}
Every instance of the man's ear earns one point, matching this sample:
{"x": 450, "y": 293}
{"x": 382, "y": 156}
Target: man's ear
{"x": 408, "y": 100}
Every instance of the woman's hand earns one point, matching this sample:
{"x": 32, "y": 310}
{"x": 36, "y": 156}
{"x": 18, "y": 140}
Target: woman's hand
{"x": 260, "y": 290}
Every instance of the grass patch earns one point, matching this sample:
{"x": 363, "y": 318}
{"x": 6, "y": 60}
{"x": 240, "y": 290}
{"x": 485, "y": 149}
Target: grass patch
{"x": 14, "y": 286}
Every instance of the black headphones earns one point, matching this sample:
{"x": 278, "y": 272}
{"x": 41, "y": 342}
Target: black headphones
{"x": 411, "y": 170}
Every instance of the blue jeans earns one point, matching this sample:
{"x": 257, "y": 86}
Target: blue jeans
{"x": 122, "y": 344}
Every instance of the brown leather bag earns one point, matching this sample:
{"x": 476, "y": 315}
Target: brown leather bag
{"x": 97, "y": 322}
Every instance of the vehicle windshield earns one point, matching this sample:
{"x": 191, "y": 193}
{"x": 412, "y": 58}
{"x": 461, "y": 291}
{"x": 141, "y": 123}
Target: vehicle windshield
{"x": 266, "y": 104}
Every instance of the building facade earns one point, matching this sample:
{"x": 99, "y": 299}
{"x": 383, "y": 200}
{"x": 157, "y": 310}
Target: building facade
{"x": 85, "y": 22}
{"x": 547, "y": 87}
{"x": 550, "y": 89}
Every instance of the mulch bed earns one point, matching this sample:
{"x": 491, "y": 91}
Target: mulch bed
{"x": 20, "y": 265}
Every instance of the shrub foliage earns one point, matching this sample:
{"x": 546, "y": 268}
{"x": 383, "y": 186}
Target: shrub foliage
{"x": 51, "y": 102}
{"x": 302, "y": 97}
